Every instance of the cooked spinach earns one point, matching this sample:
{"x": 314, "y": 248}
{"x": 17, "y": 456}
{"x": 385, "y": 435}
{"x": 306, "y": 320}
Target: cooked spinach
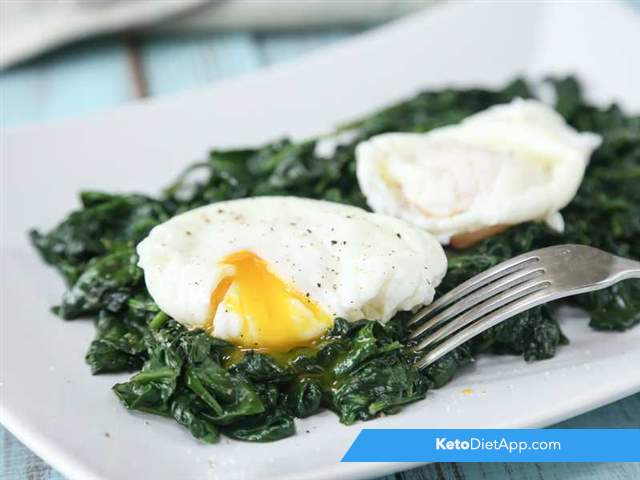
{"x": 359, "y": 370}
{"x": 104, "y": 223}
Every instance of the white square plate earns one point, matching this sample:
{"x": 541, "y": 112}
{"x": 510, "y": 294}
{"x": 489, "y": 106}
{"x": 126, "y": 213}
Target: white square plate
{"x": 71, "y": 419}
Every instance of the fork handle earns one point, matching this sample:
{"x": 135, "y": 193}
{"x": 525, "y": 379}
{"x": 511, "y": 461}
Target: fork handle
{"x": 627, "y": 269}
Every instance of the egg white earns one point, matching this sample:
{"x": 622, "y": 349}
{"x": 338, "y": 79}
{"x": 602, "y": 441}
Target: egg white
{"x": 506, "y": 165}
{"x": 353, "y": 264}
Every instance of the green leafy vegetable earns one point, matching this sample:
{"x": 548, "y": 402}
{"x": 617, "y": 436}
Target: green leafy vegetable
{"x": 304, "y": 398}
{"x": 119, "y": 344}
{"x": 104, "y": 223}
{"x": 359, "y": 370}
{"x": 190, "y": 412}
{"x": 106, "y": 283}
{"x": 374, "y": 375}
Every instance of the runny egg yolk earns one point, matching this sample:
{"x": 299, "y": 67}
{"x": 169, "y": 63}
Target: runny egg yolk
{"x": 273, "y": 315}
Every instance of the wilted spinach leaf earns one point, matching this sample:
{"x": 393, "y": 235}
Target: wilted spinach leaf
{"x": 267, "y": 427}
{"x": 304, "y": 398}
{"x": 119, "y": 344}
{"x": 106, "y": 283}
{"x": 190, "y": 412}
{"x": 374, "y": 375}
{"x": 104, "y": 223}
{"x": 151, "y": 389}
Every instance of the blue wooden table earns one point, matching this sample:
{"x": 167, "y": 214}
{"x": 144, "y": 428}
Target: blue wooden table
{"x": 100, "y": 74}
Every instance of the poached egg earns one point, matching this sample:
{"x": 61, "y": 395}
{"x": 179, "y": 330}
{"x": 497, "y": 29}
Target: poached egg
{"x": 506, "y": 165}
{"x": 273, "y": 272}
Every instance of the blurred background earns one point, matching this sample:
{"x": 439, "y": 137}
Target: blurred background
{"x": 62, "y": 58}
{"x": 66, "y": 58}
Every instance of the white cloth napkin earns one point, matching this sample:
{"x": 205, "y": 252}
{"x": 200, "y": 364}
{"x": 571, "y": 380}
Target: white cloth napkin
{"x": 30, "y": 27}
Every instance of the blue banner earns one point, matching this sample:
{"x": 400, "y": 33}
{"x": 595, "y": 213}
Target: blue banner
{"x": 496, "y": 445}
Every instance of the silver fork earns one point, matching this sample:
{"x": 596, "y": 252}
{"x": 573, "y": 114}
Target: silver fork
{"x": 512, "y": 287}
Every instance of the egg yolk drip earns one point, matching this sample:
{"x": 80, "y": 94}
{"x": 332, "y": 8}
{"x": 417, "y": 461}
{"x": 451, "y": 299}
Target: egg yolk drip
{"x": 273, "y": 314}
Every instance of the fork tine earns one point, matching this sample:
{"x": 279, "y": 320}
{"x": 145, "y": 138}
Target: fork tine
{"x": 476, "y": 297}
{"x": 505, "y": 312}
{"x": 482, "y": 309}
{"x": 478, "y": 281}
